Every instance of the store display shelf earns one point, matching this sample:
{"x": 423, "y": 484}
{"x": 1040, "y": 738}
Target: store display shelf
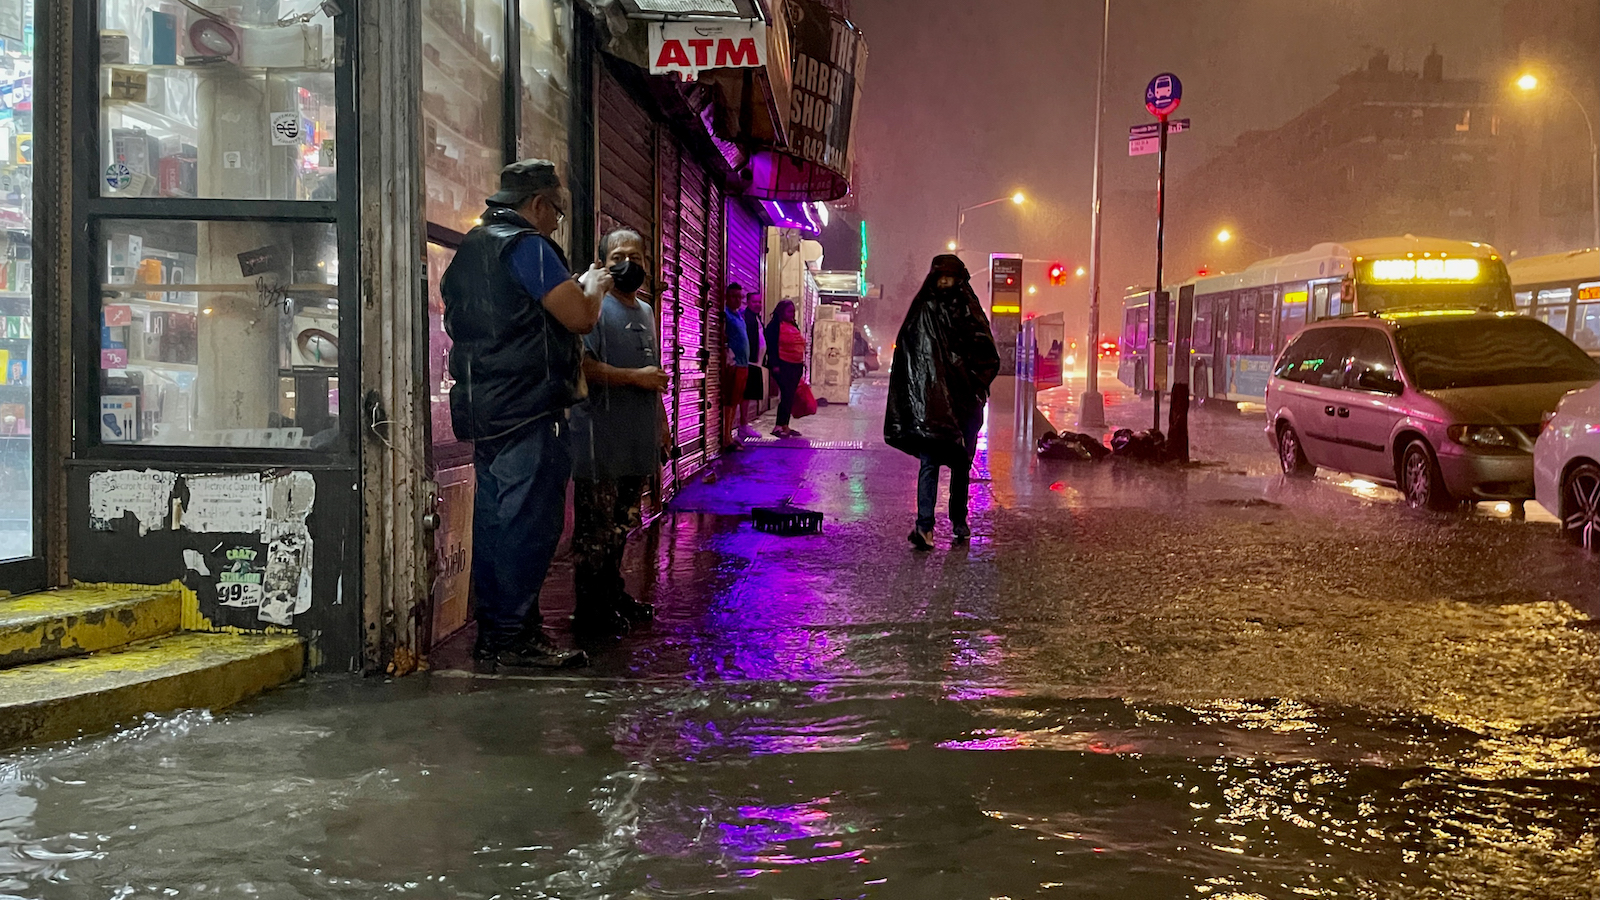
{"x": 157, "y": 365}
{"x": 474, "y": 143}
{"x": 434, "y": 33}
{"x": 230, "y": 68}
{"x": 138, "y": 112}
{"x": 316, "y": 290}
{"x": 16, "y": 295}
{"x": 145, "y": 303}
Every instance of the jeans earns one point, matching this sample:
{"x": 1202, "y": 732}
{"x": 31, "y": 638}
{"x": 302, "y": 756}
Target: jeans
{"x": 960, "y": 482}
{"x": 518, "y": 515}
{"x": 603, "y": 512}
{"x": 787, "y": 377}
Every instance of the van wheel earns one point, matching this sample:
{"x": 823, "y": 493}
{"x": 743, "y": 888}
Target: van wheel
{"x": 1421, "y": 481}
{"x": 1291, "y": 455}
{"x": 1580, "y": 506}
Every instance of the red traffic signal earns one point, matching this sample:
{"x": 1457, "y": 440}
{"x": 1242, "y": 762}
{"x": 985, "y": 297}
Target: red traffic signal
{"x": 1058, "y": 274}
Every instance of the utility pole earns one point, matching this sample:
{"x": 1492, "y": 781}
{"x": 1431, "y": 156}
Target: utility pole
{"x": 1092, "y": 407}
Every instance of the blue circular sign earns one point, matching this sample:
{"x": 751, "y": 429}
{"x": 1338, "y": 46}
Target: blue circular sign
{"x": 1163, "y": 94}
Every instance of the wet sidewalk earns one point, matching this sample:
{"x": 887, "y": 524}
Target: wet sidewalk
{"x": 1133, "y": 682}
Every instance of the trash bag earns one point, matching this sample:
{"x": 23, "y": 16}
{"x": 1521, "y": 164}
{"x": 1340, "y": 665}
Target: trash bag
{"x": 945, "y": 360}
{"x": 1140, "y": 446}
{"x": 1072, "y": 447}
{"x": 805, "y": 402}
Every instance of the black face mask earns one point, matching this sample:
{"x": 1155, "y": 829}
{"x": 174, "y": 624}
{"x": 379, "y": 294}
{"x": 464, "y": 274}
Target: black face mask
{"x": 628, "y": 276}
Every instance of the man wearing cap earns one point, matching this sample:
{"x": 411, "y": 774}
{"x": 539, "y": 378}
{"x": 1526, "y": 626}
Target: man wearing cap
{"x": 515, "y": 313}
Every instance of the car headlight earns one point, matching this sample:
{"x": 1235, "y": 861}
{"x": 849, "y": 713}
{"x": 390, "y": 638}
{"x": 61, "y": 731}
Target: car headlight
{"x": 1484, "y": 437}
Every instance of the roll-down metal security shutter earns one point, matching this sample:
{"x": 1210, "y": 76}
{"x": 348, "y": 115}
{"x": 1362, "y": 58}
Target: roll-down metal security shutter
{"x": 691, "y": 257}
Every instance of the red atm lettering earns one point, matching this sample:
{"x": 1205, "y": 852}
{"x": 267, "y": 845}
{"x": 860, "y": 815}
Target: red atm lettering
{"x": 672, "y": 55}
{"x": 702, "y": 58}
{"x": 744, "y": 53}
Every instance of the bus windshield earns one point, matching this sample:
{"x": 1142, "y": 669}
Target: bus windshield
{"x": 1380, "y": 297}
{"x": 1485, "y": 352}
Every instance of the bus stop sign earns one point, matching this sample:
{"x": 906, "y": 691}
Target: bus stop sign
{"x": 1163, "y": 95}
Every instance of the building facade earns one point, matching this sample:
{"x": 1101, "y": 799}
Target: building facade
{"x": 226, "y": 365}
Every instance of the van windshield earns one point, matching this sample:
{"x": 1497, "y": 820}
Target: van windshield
{"x": 1488, "y": 352}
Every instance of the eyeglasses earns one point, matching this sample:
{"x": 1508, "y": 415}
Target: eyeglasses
{"x": 561, "y": 213}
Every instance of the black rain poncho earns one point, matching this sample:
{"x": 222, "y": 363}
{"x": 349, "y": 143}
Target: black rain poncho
{"x": 944, "y": 361}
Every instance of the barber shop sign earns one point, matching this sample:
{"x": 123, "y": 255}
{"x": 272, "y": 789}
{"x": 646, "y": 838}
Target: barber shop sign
{"x": 685, "y": 48}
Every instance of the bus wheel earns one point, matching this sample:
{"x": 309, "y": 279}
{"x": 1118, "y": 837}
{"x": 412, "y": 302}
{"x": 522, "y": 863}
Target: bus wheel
{"x": 1291, "y": 455}
{"x": 1421, "y": 481}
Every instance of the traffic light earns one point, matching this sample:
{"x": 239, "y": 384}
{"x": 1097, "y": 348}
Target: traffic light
{"x": 1058, "y": 274}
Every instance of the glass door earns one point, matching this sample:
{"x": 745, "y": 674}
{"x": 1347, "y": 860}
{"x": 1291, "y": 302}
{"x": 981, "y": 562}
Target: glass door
{"x": 18, "y": 477}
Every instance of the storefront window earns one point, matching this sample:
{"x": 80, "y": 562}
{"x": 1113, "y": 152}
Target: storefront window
{"x": 546, "y": 95}
{"x": 463, "y": 103}
{"x": 219, "y": 334}
{"x": 16, "y": 282}
{"x": 234, "y": 104}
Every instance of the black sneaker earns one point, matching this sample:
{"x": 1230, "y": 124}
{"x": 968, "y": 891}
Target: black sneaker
{"x": 529, "y": 652}
{"x": 601, "y": 624}
{"x": 637, "y": 612}
{"x": 962, "y": 531}
{"x": 920, "y": 539}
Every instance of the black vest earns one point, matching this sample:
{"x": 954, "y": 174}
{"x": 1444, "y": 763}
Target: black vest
{"x": 512, "y": 361}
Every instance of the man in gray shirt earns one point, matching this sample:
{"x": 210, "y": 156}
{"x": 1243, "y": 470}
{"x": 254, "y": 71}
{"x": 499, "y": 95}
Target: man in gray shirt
{"x": 618, "y": 435}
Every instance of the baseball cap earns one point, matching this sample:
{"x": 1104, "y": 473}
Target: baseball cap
{"x": 521, "y": 180}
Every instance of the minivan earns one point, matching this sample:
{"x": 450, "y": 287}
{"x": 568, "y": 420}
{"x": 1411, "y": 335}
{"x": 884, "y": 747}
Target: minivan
{"x": 1445, "y": 405}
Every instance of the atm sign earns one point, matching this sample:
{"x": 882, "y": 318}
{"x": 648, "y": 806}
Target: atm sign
{"x": 685, "y": 48}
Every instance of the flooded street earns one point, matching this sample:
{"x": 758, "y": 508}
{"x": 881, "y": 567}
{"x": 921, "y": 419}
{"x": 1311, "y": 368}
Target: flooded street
{"x": 1203, "y": 683}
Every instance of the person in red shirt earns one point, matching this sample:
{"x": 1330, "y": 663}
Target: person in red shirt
{"x": 786, "y": 355}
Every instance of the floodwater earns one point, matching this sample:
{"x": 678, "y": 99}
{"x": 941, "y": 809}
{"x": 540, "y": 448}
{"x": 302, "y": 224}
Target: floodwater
{"x": 1131, "y": 684}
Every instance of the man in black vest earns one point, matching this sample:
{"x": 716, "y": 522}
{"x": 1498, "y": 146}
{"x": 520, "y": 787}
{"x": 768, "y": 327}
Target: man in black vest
{"x": 515, "y": 313}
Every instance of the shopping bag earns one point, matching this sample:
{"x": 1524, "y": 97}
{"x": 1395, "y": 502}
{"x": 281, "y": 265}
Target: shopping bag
{"x": 805, "y": 402}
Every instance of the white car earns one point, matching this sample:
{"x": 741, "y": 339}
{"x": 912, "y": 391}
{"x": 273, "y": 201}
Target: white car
{"x": 1567, "y": 467}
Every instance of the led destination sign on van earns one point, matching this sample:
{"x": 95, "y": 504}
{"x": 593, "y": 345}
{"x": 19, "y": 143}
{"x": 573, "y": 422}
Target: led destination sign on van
{"x": 1458, "y": 270}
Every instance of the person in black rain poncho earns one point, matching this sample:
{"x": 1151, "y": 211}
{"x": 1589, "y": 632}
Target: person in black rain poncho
{"x": 944, "y": 361}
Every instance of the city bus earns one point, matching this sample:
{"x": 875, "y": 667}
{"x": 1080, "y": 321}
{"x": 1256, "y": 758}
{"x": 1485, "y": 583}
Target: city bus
{"x": 1561, "y": 290}
{"x": 1238, "y": 322}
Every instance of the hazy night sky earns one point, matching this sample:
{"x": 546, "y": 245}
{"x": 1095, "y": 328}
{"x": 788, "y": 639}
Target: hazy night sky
{"x": 968, "y": 101}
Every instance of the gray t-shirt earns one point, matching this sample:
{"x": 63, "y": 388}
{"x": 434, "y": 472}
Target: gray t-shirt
{"x": 616, "y": 433}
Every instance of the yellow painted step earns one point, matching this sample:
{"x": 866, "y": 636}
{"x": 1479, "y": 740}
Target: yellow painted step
{"x": 65, "y": 698}
{"x": 74, "y": 621}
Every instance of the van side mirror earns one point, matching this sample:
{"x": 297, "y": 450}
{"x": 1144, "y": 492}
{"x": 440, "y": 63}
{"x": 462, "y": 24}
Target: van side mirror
{"x": 1380, "y": 383}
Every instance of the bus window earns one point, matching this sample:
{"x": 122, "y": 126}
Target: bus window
{"x": 1293, "y": 315}
{"x": 1244, "y": 326}
{"x": 1130, "y": 327}
{"x": 1319, "y": 303}
{"x": 1554, "y": 316}
{"x": 1586, "y": 328}
{"x": 1264, "y": 316}
{"x": 1141, "y": 331}
{"x": 1202, "y": 324}
{"x": 1524, "y": 301}
{"x": 1338, "y": 303}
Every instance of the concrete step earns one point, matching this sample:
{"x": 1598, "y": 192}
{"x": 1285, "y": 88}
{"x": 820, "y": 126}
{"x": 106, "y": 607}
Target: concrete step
{"x": 75, "y": 621}
{"x": 66, "y": 698}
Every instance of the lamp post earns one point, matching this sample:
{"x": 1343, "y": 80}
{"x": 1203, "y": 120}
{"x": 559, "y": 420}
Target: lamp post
{"x": 1530, "y": 82}
{"x": 1225, "y": 235}
{"x": 961, "y": 215}
{"x": 1092, "y": 406}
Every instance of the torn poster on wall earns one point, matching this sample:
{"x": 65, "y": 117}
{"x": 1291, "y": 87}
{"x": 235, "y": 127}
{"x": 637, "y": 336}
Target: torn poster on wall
{"x": 146, "y": 495}
{"x": 228, "y": 504}
{"x": 287, "y": 585}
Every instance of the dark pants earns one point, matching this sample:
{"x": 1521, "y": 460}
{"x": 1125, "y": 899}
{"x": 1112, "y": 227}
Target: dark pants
{"x": 960, "y": 481}
{"x": 603, "y": 511}
{"x": 787, "y": 377}
{"x": 517, "y": 519}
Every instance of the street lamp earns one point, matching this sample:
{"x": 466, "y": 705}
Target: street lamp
{"x": 1529, "y": 83}
{"x": 961, "y": 214}
{"x": 1224, "y": 236}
